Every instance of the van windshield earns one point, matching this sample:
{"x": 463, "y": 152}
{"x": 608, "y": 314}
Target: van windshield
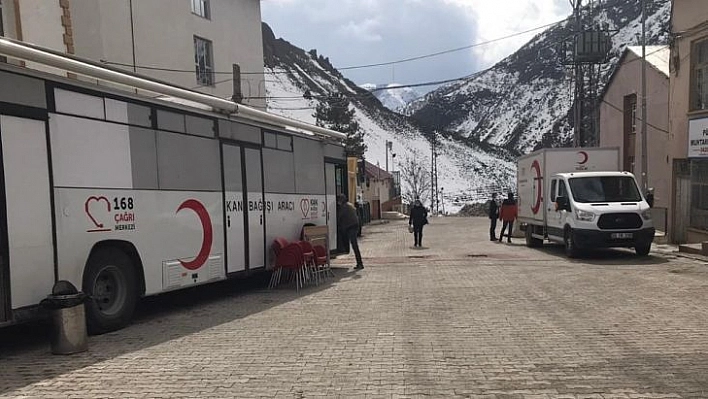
{"x": 604, "y": 189}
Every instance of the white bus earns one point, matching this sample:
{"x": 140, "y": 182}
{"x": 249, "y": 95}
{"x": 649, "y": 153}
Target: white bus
{"x": 127, "y": 196}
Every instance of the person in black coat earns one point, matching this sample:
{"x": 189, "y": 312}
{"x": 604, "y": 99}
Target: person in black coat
{"x": 348, "y": 225}
{"x": 493, "y": 215}
{"x": 418, "y": 219}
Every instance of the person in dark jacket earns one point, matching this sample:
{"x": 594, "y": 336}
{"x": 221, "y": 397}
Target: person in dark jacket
{"x": 508, "y": 215}
{"x": 348, "y": 224}
{"x": 493, "y": 215}
{"x": 418, "y": 219}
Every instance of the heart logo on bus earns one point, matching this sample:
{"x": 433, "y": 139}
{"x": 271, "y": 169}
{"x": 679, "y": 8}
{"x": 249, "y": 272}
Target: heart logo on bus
{"x": 305, "y": 207}
{"x": 97, "y": 225}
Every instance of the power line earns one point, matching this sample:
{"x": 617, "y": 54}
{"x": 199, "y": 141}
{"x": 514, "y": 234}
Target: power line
{"x": 467, "y": 47}
{"x": 640, "y": 119}
{"x": 400, "y": 61}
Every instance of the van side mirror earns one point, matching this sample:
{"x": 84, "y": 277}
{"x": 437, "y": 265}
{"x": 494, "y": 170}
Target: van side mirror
{"x": 562, "y": 203}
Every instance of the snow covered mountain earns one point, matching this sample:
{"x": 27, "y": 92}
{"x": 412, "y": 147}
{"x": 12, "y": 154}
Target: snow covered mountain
{"x": 393, "y": 99}
{"x": 524, "y": 102}
{"x": 297, "y": 79}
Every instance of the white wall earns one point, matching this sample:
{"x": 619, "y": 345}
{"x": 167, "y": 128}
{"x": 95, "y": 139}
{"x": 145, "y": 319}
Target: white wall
{"x": 41, "y": 25}
{"x": 164, "y": 33}
{"x": 626, "y": 81}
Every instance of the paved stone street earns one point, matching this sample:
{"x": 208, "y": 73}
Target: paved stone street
{"x": 463, "y": 317}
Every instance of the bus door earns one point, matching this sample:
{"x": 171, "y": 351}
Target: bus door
{"x": 234, "y": 197}
{"x": 256, "y": 206}
{"x": 4, "y": 266}
{"x": 25, "y": 215}
{"x": 243, "y": 193}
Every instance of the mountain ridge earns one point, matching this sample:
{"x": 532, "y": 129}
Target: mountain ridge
{"x": 296, "y": 80}
{"x": 522, "y": 104}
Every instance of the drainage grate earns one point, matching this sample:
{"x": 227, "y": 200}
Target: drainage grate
{"x": 476, "y": 256}
{"x": 419, "y": 256}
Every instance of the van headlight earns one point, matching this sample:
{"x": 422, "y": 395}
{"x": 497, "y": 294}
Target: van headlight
{"x": 646, "y": 215}
{"x": 584, "y": 216}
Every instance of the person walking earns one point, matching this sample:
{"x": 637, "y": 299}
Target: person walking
{"x": 348, "y": 224}
{"x": 507, "y": 215}
{"x": 418, "y": 219}
{"x": 493, "y": 215}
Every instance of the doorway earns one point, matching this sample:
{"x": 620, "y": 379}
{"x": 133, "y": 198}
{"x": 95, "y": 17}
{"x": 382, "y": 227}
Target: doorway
{"x": 244, "y": 207}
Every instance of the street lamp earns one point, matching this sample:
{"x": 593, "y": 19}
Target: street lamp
{"x": 389, "y": 147}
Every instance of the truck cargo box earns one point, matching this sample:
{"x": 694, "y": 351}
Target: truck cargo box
{"x": 533, "y": 171}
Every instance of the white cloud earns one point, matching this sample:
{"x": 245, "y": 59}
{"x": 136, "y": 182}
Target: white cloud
{"x": 500, "y": 18}
{"x": 365, "y": 30}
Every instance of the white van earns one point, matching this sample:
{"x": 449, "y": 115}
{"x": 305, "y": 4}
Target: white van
{"x": 582, "y": 203}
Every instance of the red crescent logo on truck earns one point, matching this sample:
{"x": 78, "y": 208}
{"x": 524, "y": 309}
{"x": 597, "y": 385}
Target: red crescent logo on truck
{"x": 204, "y": 218}
{"x": 585, "y": 157}
{"x": 539, "y": 187}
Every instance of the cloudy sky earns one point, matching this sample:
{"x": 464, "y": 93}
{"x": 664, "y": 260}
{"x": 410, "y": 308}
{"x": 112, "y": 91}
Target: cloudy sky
{"x": 361, "y": 32}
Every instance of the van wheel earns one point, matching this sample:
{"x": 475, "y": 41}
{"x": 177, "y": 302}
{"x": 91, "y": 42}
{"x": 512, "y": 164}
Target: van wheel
{"x": 642, "y": 249}
{"x": 531, "y": 241}
{"x": 571, "y": 250}
{"x": 111, "y": 284}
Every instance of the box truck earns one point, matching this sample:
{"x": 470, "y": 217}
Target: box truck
{"x": 580, "y": 198}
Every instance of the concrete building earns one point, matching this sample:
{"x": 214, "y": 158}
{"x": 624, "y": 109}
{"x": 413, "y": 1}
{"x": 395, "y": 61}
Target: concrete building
{"x": 688, "y": 121}
{"x": 378, "y": 188}
{"x": 190, "y": 43}
{"x": 621, "y": 119}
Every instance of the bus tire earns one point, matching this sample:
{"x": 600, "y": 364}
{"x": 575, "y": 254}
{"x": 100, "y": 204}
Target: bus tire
{"x": 531, "y": 241}
{"x": 111, "y": 283}
{"x": 571, "y": 249}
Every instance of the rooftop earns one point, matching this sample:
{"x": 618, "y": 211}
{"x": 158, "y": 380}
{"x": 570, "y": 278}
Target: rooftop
{"x": 657, "y": 56}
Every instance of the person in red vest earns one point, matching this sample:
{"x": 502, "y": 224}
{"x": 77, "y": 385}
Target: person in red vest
{"x": 507, "y": 215}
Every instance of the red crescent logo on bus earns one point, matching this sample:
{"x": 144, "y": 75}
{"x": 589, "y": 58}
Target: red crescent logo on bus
{"x": 539, "y": 187}
{"x": 585, "y": 157}
{"x": 203, "y": 215}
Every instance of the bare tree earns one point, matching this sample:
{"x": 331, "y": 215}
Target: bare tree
{"x": 415, "y": 176}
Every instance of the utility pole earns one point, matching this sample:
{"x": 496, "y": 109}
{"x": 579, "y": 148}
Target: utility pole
{"x": 237, "y": 97}
{"x": 645, "y": 170}
{"x": 432, "y": 167}
{"x": 590, "y": 48}
{"x": 434, "y": 173}
{"x": 389, "y": 146}
{"x": 442, "y": 198}
{"x": 579, "y": 79}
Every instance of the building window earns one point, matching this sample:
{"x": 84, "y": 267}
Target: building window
{"x": 204, "y": 61}
{"x": 201, "y": 8}
{"x": 699, "y": 195}
{"x": 2, "y": 28}
{"x": 699, "y": 88}
{"x": 630, "y": 131}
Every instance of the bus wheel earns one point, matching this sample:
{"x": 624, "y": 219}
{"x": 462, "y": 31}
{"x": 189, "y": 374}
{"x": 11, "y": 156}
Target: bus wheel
{"x": 111, "y": 284}
{"x": 571, "y": 249}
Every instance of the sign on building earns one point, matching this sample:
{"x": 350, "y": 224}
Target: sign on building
{"x": 698, "y": 138}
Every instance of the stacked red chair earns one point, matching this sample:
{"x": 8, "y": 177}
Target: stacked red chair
{"x": 288, "y": 256}
{"x": 322, "y": 260}
{"x": 310, "y": 266}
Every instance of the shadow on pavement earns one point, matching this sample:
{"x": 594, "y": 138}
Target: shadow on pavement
{"x": 605, "y": 256}
{"x": 25, "y": 356}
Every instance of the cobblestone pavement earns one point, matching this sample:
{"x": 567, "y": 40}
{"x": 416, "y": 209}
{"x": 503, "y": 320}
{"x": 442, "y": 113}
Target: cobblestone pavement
{"x": 464, "y": 317}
